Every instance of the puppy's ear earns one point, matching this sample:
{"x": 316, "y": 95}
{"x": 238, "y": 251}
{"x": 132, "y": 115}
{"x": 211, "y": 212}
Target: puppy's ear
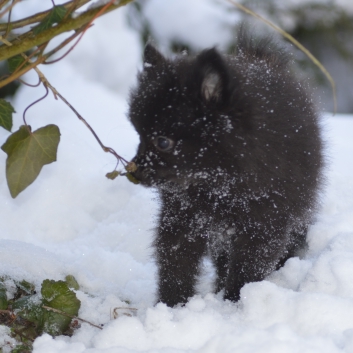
{"x": 152, "y": 57}
{"x": 214, "y": 76}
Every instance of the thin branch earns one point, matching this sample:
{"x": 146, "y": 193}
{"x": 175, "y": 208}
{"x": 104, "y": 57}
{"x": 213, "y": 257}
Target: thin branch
{"x": 14, "y": 2}
{"x": 57, "y": 94}
{"x": 26, "y": 42}
{"x": 80, "y": 32}
{"x": 18, "y": 73}
{"x": 70, "y": 316}
{"x": 83, "y": 32}
{"x": 3, "y": 3}
{"x": 297, "y": 44}
{"x": 8, "y": 29}
{"x": 39, "y": 16}
{"x": 47, "y": 85}
{"x": 74, "y": 6}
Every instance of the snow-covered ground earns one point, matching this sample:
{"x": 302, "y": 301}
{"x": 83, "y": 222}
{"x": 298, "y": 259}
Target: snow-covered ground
{"x": 73, "y": 220}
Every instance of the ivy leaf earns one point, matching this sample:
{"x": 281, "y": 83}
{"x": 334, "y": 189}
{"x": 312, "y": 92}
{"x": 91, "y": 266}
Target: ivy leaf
{"x": 132, "y": 179}
{"x": 6, "y": 110}
{"x": 25, "y": 287}
{"x": 14, "y": 62}
{"x": 27, "y": 152}
{"x": 71, "y": 282}
{"x": 29, "y": 308}
{"x": 57, "y": 295}
{"x": 54, "y": 16}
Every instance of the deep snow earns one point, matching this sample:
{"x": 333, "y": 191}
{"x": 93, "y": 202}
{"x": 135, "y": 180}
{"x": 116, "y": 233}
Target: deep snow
{"x": 73, "y": 220}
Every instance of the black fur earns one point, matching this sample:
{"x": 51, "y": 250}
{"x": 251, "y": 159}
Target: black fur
{"x": 232, "y": 144}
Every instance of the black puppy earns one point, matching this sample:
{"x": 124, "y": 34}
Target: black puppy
{"x": 232, "y": 143}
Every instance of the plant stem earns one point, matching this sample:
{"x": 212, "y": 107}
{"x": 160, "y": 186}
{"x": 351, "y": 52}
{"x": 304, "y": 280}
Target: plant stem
{"x": 26, "y": 42}
{"x": 38, "y": 16}
{"x": 70, "y": 316}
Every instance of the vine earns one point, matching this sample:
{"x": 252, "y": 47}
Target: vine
{"x": 28, "y": 151}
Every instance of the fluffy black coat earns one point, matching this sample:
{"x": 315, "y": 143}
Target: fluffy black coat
{"x": 232, "y": 143}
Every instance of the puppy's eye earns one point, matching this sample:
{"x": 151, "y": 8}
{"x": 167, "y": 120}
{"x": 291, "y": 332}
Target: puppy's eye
{"x": 163, "y": 143}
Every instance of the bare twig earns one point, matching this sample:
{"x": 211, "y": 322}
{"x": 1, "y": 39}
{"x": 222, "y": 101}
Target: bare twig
{"x": 79, "y": 32}
{"x": 8, "y": 29}
{"x": 56, "y": 94}
{"x": 27, "y": 41}
{"x": 9, "y": 8}
{"x": 105, "y": 7}
{"x": 40, "y": 60}
{"x": 72, "y": 8}
{"x": 296, "y": 43}
{"x": 18, "y": 73}
{"x": 39, "y": 16}
{"x": 70, "y": 316}
{"x": 3, "y": 3}
{"x": 116, "y": 313}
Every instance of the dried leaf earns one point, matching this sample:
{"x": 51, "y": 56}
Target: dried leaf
{"x": 112, "y": 175}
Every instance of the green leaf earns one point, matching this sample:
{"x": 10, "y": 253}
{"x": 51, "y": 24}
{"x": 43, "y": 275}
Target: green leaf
{"x": 6, "y": 110}
{"x": 14, "y": 62}
{"x": 132, "y": 179}
{"x": 27, "y": 152}
{"x": 112, "y": 175}
{"x": 54, "y": 16}
{"x": 57, "y": 295}
{"x": 25, "y": 286}
{"x": 71, "y": 282}
{"x": 29, "y": 308}
{"x": 23, "y": 348}
{"x": 3, "y": 297}
{"x": 23, "y": 303}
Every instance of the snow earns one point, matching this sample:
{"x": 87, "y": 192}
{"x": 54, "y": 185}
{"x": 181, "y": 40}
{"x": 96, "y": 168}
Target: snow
{"x": 72, "y": 220}
{"x": 205, "y": 23}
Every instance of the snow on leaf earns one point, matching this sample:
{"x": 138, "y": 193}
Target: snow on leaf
{"x": 38, "y": 317}
{"x": 6, "y": 110}
{"x": 72, "y": 282}
{"x": 57, "y": 295}
{"x": 27, "y": 152}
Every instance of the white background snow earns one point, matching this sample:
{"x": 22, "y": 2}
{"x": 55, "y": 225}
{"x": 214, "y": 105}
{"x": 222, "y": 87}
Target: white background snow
{"x": 73, "y": 220}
